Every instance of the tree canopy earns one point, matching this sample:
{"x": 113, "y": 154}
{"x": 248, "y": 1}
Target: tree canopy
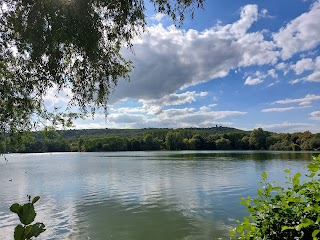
{"x": 68, "y": 44}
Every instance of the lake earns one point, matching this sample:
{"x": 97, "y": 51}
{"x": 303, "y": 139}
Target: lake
{"x": 138, "y": 195}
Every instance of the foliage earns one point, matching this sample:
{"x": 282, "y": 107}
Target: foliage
{"x": 223, "y": 144}
{"x": 258, "y": 139}
{"x": 216, "y": 138}
{"x": 70, "y": 45}
{"x": 284, "y": 213}
{"x": 27, "y": 215}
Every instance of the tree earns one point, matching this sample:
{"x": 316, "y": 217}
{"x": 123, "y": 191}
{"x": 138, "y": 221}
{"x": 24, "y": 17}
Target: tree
{"x": 223, "y": 144}
{"x": 71, "y": 45}
{"x": 314, "y": 142}
{"x": 210, "y": 143}
{"x": 196, "y": 142}
{"x": 244, "y": 143}
{"x": 235, "y": 138}
{"x": 174, "y": 141}
{"x": 258, "y": 139}
{"x": 148, "y": 142}
{"x": 135, "y": 145}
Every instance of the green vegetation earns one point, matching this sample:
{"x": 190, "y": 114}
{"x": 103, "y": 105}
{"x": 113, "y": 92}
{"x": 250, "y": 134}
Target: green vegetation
{"x": 216, "y": 138}
{"x": 284, "y": 213}
{"x": 68, "y": 45}
{"x": 27, "y": 215}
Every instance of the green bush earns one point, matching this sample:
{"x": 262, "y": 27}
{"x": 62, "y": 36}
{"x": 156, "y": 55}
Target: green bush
{"x": 284, "y": 213}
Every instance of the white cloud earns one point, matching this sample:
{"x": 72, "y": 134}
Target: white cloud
{"x": 204, "y": 108}
{"x": 283, "y": 67}
{"x": 302, "y": 65}
{"x": 300, "y": 34}
{"x": 158, "y": 17}
{"x": 287, "y": 127}
{"x": 207, "y": 108}
{"x": 169, "y": 59}
{"x": 302, "y": 101}
{"x": 282, "y": 109}
{"x": 264, "y": 13}
{"x": 154, "y": 106}
{"x": 56, "y": 98}
{"x": 253, "y": 81}
{"x": 212, "y": 105}
{"x": 129, "y": 110}
{"x": 79, "y": 125}
{"x": 170, "y": 118}
{"x": 315, "y": 115}
{"x": 257, "y": 78}
{"x": 188, "y": 117}
{"x": 126, "y": 118}
{"x": 272, "y": 73}
{"x": 313, "y": 77}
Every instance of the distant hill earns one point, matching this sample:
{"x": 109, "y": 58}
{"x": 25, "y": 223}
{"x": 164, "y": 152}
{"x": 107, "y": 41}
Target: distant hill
{"x": 134, "y": 133}
{"x": 213, "y": 138}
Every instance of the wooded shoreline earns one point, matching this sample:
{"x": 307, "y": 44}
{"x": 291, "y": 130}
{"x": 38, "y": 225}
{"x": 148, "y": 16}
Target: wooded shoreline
{"x": 215, "y": 138}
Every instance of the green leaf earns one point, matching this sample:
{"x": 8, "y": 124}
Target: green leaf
{"x": 287, "y": 171}
{"x": 27, "y": 213}
{"x": 35, "y": 230}
{"x": 264, "y": 175}
{"x": 35, "y": 199}
{"x": 311, "y": 175}
{"x": 315, "y": 233}
{"x": 296, "y": 179}
{"x": 306, "y": 222}
{"x": 19, "y": 232}
{"x": 15, "y": 208}
{"x": 286, "y": 228}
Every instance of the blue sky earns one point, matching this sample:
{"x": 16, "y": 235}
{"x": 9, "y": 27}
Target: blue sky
{"x": 243, "y": 64}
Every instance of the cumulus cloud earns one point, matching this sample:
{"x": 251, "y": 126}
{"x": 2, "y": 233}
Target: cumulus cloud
{"x": 170, "y": 59}
{"x": 301, "y": 34}
{"x": 303, "y": 65}
{"x": 170, "y": 118}
{"x": 315, "y": 115}
{"x": 189, "y": 117}
{"x": 302, "y": 101}
{"x": 315, "y": 76}
{"x": 283, "y": 67}
{"x": 155, "y": 106}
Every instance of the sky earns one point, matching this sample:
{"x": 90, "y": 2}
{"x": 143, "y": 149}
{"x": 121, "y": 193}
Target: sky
{"x": 242, "y": 64}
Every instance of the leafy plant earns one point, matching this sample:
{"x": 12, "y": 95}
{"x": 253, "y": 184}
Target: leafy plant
{"x": 27, "y": 215}
{"x": 284, "y": 213}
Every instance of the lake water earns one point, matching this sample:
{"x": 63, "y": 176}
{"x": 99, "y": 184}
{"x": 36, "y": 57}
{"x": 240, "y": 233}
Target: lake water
{"x": 137, "y": 195}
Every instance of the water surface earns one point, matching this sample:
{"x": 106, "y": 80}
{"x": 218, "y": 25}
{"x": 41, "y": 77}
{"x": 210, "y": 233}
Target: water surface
{"x": 137, "y": 195}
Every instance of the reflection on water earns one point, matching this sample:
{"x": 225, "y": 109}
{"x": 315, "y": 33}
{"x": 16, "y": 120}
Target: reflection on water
{"x": 137, "y": 195}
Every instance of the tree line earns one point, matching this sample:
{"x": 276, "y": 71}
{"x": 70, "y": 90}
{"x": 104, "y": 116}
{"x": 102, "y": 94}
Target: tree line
{"x": 162, "y": 139}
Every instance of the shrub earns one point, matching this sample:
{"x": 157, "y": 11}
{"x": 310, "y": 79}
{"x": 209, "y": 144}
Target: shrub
{"x": 284, "y": 213}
